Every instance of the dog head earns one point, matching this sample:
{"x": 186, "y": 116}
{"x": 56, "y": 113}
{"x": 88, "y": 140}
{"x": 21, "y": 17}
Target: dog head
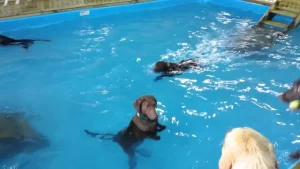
{"x": 161, "y": 66}
{"x": 246, "y": 148}
{"x": 291, "y": 94}
{"x": 295, "y": 155}
{"x": 146, "y": 108}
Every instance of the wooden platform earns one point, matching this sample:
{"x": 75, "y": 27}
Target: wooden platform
{"x": 286, "y": 8}
{"x": 36, "y": 7}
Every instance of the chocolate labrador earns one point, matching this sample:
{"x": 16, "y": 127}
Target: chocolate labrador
{"x": 5, "y": 41}
{"x": 171, "y": 69}
{"x": 291, "y": 94}
{"x": 142, "y": 126}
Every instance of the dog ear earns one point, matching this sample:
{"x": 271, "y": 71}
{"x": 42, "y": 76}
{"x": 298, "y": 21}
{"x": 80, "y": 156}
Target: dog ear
{"x": 225, "y": 162}
{"x": 276, "y": 164}
{"x": 152, "y": 98}
{"x": 137, "y": 103}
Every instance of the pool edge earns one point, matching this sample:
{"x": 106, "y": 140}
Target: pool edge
{"x": 54, "y": 18}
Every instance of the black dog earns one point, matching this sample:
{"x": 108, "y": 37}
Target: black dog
{"x": 143, "y": 125}
{"x": 295, "y": 156}
{"x": 171, "y": 69}
{"x": 5, "y": 41}
{"x": 254, "y": 39}
{"x": 291, "y": 94}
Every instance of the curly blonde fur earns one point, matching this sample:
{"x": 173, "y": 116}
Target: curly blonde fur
{"x": 245, "y": 148}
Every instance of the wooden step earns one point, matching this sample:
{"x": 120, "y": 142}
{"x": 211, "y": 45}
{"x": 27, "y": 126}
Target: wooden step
{"x": 287, "y": 9}
{"x": 284, "y": 13}
{"x": 277, "y": 24}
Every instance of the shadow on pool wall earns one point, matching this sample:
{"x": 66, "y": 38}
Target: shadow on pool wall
{"x": 20, "y": 23}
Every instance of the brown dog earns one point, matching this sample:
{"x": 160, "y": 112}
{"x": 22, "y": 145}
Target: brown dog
{"x": 245, "y": 148}
{"x": 291, "y": 94}
{"x": 143, "y": 125}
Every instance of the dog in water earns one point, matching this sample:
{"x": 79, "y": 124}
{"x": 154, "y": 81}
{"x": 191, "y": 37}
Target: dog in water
{"x": 171, "y": 69}
{"x": 142, "y": 126}
{"x": 5, "y": 41}
{"x": 254, "y": 39}
{"x": 295, "y": 156}
{"x": 245, "y": 148}
{"x": 18, "y": 136}
{"x": 291, "y": 94}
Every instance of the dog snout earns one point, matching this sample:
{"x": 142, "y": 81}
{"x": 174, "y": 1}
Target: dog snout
{"x": 280, "y": 97}
{"x": 290, "y": 95}
{"x": 152, "y": 114}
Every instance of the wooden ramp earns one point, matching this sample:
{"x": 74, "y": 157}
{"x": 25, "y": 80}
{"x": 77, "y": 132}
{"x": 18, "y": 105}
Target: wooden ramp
{"x": 286, "y": 8}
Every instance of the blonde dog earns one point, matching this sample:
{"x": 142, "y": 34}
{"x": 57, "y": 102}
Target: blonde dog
{"x": 245, "y": 148}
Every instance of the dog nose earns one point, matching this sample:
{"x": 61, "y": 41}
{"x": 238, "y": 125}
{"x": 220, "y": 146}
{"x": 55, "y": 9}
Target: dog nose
{"x": 152, "y": 115}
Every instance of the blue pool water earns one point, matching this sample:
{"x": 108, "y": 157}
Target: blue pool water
{"x": 94, "y": 69}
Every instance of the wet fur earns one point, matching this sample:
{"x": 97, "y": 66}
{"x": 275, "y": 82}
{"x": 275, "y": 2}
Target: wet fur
{"x": 295, "y": 156}
{"x": 291, "y": 94}
{"x": 26, "y": 43}
{"x": 254, "y": 39}
{"x": 169, "y": 69}
{"x": 245, "y": 148}
{"x": 137, "y": 130}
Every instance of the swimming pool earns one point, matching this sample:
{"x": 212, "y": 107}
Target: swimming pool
{"x": 94, "y": 69}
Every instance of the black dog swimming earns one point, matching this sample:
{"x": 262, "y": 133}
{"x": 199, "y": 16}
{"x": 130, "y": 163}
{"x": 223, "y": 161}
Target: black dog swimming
{"x": 5, "y": 41}
{"x": 171, "y": 69}
{"x": 291, "y": 94}
{"x": 254, "y": 39}
{"x": 295, "y": 156}
{"x": 142, "y": 126}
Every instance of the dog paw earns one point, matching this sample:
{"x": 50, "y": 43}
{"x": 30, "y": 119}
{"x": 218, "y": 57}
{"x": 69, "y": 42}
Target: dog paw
{"x": 143, "y": 152}
{"x": 163, "y": 127}
{"x": 156, "y": 138}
